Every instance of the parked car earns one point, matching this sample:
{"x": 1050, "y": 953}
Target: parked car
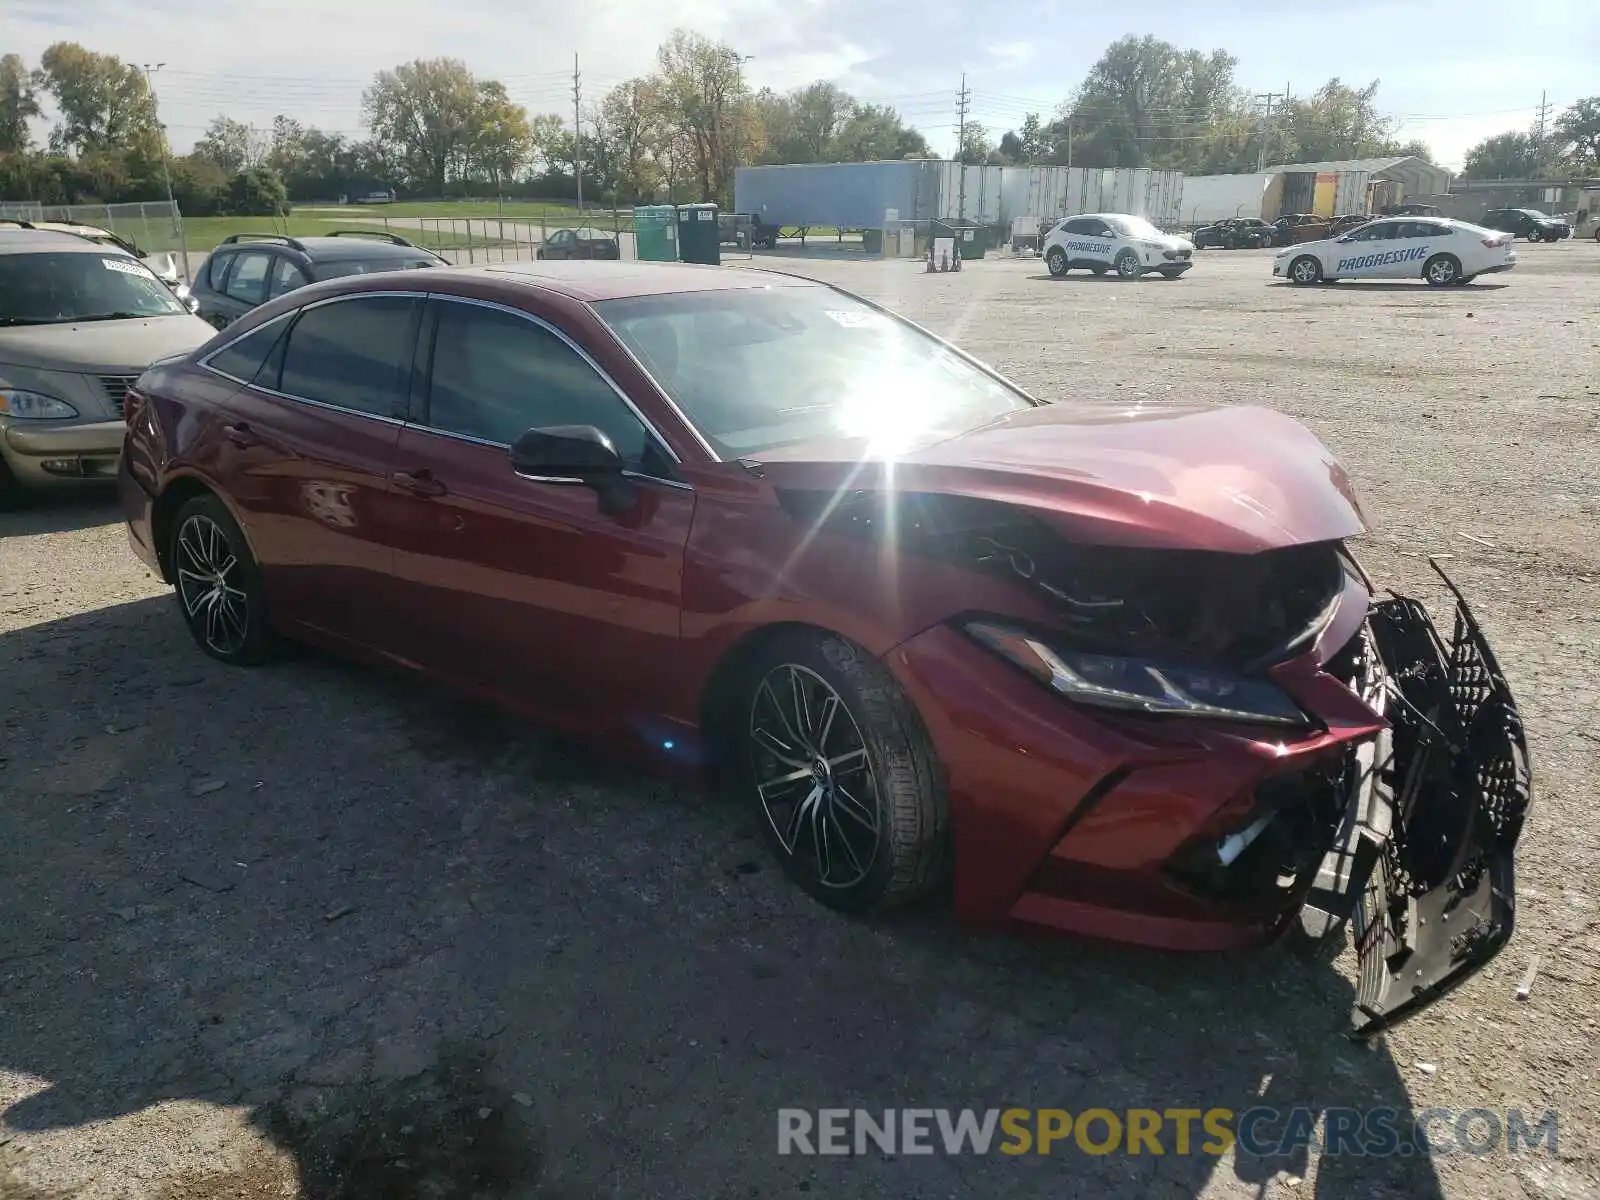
{"x": 1411, "y": 210}
{"x": 1441, "y": 251}
{"x": 1129, "y": 245}
{"x": 78, "y": 323}
{"x": 1529, "y": 223}
{"x": 162, "y": 264}
{"x": 579, "y": 243}
{"x": 1233, "y": 233}
{"x": 1292, "y": 228}
{"x": 746, "y": 230}
{"x": 248, "y": 269}
{"x": 1111, "y": 670}
{"x": 1347, "y": 223}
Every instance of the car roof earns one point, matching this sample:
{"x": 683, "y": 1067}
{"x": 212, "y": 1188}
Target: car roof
{"x": 325, "y": 248}
{"x": 72, "y": 227}
{"x": 24, "y": 241}
{"x": 593, "y": 281}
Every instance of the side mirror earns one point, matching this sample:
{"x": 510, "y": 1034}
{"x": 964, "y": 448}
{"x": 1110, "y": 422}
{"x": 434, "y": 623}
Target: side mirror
{"x": 574, "y": 454}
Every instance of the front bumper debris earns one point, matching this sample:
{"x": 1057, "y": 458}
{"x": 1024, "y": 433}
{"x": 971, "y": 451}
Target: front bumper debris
{"x": 1423, "y": 867}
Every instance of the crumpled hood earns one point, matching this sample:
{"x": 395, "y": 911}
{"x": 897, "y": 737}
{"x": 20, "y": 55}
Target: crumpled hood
{"x": 102, "y": 347}
{"x": 1236, "y": 479}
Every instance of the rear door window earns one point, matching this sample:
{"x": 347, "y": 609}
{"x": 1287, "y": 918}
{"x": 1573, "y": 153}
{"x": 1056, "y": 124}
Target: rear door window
{"x": 286, "y": 276}
{"x": 244, "y": 359}
{"x": 354, "y": 354}
{"x": 247, "y": 283}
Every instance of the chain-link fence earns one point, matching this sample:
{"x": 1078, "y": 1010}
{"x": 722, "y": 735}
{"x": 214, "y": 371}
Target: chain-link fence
{"x": 470, "y": 240}
{"x": 155, "y": 227}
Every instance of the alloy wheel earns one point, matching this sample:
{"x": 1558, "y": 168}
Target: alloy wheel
{"x": 1305, "y": 270}
{"x": 1442, "y": 271}
{"x": 208, "y": 577}
{"x": 813, "y": 775}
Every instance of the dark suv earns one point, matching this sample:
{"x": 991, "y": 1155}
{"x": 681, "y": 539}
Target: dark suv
{"x": 1527, "y": 222}
{"x": 248, "y": 269}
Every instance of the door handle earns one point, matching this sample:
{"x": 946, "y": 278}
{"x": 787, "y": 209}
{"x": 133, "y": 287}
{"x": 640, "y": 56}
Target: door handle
{"x": 419, "y": 482}
{"x": 240, "y": 434}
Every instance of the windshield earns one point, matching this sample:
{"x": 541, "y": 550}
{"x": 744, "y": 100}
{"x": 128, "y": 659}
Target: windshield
{"x": 757, "y": 369}
{"x": 1134, "y": 227}
{"x": 57, "y": 288}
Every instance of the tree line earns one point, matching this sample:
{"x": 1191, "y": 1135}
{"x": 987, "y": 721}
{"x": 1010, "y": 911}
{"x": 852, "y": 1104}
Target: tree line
{"x": 434, "y": 129}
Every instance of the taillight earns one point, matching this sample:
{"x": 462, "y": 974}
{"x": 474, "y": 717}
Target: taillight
{"x": 1494, "y": 243}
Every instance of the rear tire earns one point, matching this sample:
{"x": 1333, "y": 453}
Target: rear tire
{"x": 218, "y": 584}
{"x": 1442, "y": 270}
{"x": 1056, "y": 262}
{"x": 853, "y": 804}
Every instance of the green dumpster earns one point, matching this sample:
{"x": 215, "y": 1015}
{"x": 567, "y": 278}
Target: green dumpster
{"x": 655, "y": 233}
{"x": 699, "y": 240}
{"x": 972, "y": 239}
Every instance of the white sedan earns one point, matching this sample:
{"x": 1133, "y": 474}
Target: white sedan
{"x": 1120, "y": 242}
{"x": 1438, "y": 249}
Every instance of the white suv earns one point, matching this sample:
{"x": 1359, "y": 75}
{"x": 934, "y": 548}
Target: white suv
{"x": 1128, "y": 245}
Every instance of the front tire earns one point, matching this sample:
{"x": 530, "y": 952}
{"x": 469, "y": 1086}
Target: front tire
{"x": 1305, "y": 271}
{"x": 838, "y": 763}
{"x": 218, "y": 584}
{"x": 1127, "y": 265}
{"x": 1055, "y": 262}
{"x": 1442, "y": 270}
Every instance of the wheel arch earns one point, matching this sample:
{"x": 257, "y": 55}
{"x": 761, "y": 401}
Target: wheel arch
{"x": 177, "y": 492}
{"x": 719, "y": 688}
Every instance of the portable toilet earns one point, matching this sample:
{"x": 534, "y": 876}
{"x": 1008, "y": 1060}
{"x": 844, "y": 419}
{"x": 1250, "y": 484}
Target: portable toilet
{"x": 699, "y": 236}
{"x": 655, "y": 233}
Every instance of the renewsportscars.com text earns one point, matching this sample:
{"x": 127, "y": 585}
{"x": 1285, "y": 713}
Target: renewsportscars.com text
{"x": 1257, "y": 1131}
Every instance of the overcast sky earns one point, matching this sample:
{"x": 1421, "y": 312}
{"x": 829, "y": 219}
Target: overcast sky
{"x": 1454, "y": 72}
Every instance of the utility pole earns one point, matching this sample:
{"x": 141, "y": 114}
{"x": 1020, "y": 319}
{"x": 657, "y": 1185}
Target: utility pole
{"x": 1544, "y": 113}
{"x": 963, "y": 99}
{"x": 155, "y": 118}
{"x": 577, "y": 131}
{"x": 1268, "y": 99}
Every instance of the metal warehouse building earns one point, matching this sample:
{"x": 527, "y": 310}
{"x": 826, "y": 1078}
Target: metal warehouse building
{"x": 873, "y": 194}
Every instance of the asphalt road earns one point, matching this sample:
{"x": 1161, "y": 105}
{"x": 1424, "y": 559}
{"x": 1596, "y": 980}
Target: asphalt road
{"x": 315, "y": 931}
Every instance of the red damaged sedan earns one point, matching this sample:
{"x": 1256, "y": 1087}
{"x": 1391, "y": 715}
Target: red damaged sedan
{"x": 1108, "y": 670}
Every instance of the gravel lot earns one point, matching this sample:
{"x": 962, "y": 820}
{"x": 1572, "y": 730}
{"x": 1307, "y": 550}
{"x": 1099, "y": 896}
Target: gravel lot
{"x": 314, "y": 931}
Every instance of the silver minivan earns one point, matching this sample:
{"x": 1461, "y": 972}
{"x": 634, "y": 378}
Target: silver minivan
{"x": 78, "y": 324}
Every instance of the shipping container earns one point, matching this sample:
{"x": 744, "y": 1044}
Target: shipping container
{"x": 1046, "y": 193}
{"x": 1208, "y": 198}
{"x": 859, "y": 195}
{"x": 844, "y": 195}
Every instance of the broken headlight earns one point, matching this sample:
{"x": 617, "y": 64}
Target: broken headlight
{"x": 1136, "y": 684}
